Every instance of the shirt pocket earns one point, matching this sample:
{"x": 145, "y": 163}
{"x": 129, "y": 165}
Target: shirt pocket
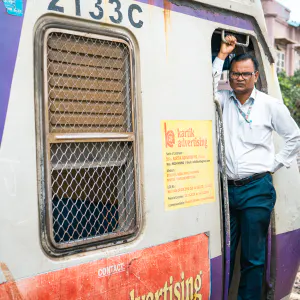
{"x": 254, "y": 134}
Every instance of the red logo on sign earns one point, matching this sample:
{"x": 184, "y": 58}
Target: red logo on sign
{"x": 169, "y": 137}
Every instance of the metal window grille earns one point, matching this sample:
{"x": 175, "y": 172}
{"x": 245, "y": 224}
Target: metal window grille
{"x": 88, "y": 113}
{"x": 280, "y": 61}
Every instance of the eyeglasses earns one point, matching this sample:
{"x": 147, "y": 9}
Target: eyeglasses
{"x": 245, "y": 75}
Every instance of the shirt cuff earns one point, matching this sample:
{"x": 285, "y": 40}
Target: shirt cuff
{"x": 276, "y": 166}
{"x": 285, "y": 162}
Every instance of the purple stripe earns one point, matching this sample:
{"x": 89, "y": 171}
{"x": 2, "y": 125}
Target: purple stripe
{"x": 201, "y": 13}
{"x": 10, "y": 28}
{"x": 216, "y": 278}
{"x": 287, "y": 264}
{"x": 288, "y": 260}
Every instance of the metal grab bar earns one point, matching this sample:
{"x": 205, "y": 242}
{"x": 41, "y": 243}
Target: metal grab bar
{"x": 225, "y": 201}
{"x": 269, "y": 254}
{"x": 238, "y": 44}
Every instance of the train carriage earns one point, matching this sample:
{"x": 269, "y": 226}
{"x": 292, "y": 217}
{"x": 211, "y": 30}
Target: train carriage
{"x": 109, "y": 141}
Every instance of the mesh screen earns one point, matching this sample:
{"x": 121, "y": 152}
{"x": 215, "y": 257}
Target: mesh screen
{"x": 92, "y": 184}
{"x": 93, "y": 192}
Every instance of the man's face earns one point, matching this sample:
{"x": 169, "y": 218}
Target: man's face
{"x": 239, "y": 84}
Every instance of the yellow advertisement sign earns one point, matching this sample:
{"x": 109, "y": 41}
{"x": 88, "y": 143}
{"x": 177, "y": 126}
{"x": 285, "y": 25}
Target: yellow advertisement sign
{"x": 188, "y": 163}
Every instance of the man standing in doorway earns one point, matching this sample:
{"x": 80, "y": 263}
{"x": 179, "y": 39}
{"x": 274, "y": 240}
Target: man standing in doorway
{"x": 249, "y": 118}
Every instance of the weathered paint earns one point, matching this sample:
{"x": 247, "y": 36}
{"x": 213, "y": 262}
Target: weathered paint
{"x": 202, "y": 13}
{"x": 13, "y": 291}
{"x": 181, "y": 265}
{"x": 167, "y": 19}
{"x": 10, "y": 28}
{"x": 168, "y": 257}
{"x": 2, "y": 277}
{"x": 44, "y": 265}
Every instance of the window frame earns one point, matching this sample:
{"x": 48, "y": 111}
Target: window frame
{"x": 262, "y": 83}
{"x": 44, "y": 138}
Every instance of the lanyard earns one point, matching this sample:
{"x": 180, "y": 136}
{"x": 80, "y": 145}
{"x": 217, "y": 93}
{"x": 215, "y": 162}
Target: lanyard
{"x": 245, "y": 116}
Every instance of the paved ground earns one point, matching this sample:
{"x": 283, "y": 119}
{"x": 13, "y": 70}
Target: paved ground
{"x": 296, "y": 290}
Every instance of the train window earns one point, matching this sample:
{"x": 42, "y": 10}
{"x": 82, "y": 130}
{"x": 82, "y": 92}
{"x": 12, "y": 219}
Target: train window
{"x": 252, "y": 48}
{"x": 89, "y": 139}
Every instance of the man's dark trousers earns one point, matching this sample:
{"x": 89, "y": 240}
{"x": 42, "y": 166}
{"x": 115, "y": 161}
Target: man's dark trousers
{"x": 250, "y": 212}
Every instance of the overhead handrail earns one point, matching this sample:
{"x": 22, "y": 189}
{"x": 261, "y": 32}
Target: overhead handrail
{"x": 237, "y": 44}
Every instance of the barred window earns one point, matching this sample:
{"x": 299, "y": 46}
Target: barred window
{"x": 89, "y": 138}
{"x": 297, "y": 60}
{"x": 280, "y": 61}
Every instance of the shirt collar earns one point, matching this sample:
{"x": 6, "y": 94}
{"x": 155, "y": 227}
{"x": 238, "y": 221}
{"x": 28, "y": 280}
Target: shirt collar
{"x": 232, "y": 95}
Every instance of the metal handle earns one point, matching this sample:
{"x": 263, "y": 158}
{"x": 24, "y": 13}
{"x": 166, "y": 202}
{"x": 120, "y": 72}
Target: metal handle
{"x": 238, "y": 44}
{"x": 225, "y": 201}
{"x": 269, "y": 279}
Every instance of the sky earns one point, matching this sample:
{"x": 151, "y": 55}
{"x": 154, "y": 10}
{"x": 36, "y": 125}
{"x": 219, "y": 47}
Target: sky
{"x": 294, "y": 6}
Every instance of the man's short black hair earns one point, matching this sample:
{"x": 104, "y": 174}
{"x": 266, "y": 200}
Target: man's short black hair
{"x": 245, "y": 56}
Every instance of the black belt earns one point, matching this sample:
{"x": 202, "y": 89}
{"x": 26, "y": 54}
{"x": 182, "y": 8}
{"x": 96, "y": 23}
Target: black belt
{"x": 244, "y": 181}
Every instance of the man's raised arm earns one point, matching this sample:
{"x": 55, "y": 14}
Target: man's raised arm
{"x": 225, "y": 50}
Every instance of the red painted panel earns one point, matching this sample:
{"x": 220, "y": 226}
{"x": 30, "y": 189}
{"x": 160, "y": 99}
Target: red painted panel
{"x": 177, "y": 270}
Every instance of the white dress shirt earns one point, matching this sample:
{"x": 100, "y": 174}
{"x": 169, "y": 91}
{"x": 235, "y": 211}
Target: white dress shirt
{"x": 249, "y": 146}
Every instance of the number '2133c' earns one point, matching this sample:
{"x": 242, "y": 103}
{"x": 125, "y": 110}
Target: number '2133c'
{"x": 98, "y": 12}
